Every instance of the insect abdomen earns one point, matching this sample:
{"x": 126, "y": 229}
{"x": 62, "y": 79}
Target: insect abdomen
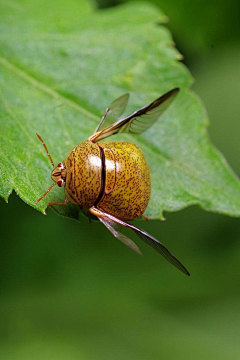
{"x": 127, "y": 181}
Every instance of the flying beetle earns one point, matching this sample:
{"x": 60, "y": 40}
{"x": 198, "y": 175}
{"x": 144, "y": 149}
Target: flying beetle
{"x": 111, "y": 180}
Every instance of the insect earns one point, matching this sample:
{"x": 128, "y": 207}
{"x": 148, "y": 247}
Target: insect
{"x": 111, "y": 180}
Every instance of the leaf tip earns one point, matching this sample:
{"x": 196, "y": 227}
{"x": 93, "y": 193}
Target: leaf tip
{"x": 180, "y": 57}
{"x": 162, "y": 218}
{"x": 165, "y": 19}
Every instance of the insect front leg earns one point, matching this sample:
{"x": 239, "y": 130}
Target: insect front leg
{"x": 58, "y": 203}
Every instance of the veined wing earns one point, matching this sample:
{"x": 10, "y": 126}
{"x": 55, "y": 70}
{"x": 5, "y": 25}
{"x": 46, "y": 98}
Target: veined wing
{"x": 115, "y": 230}
{"x": 160, "y": 248}
{"x": 113, "y": 112}
{"x": 109, "y": 220}
{"x": 140, "y": 120}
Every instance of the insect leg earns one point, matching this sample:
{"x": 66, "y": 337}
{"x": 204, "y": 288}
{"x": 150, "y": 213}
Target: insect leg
{"x": 58, "y": 203}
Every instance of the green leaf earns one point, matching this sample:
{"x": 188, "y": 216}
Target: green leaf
{"x": 62, "y": 64}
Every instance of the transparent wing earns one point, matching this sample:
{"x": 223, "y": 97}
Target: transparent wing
{"x": 140, "y": 120}
{"x": 111, "y": 223}
{"x": 114, "y": 228}
{"x": 113, "y": 112}
{"x": 160, "y": 248}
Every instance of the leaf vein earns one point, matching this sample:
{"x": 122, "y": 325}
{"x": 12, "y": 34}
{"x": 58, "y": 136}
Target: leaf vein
{"x": 46, "y": 89}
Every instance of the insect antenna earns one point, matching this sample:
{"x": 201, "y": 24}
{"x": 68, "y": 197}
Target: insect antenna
{"x": 45, "y": 147}
{"x": 45, "y": 193}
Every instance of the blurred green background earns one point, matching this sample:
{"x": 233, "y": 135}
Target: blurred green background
{"x": 69, "y": 290}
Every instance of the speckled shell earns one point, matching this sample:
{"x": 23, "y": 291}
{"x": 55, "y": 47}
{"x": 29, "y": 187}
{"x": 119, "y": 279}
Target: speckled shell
{"x": 127, "y": 184}
{"x": 84, "y": 174}
{"x": 113, "y": 176}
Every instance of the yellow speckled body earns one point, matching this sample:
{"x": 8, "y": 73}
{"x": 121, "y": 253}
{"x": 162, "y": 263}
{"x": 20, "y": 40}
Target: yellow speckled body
{"x": 113, "y": 176}
{"x": 84, "y": 168}
{"x": 127, "y": 184}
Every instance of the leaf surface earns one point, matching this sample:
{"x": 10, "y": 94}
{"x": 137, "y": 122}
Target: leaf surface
{"x": 62, "y": 63}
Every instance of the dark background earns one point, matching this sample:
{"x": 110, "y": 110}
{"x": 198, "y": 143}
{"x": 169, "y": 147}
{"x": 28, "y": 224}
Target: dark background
{"x": 69, "y": 290}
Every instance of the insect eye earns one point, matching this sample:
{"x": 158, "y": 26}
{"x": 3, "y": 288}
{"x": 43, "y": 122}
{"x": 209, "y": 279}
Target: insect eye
{"x": 60, "y": 182}
{"x": 60, "y": 165}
